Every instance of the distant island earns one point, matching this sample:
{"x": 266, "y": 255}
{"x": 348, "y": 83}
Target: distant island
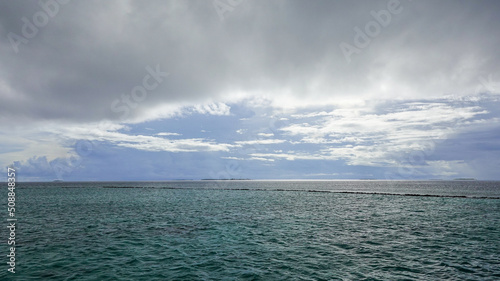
{"x": 232, "y": 179}
{"x": 464, "y": 179}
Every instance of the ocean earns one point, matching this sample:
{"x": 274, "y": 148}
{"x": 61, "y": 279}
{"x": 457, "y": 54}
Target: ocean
{"x": 256, "y": 230}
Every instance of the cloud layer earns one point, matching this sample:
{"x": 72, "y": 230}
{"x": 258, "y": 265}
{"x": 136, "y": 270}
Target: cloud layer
{"x": 263, "y": 87}
{"x": 90, "y": 54}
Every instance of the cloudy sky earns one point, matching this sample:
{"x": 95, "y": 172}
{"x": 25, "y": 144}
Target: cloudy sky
{"x": 159, "y": 90}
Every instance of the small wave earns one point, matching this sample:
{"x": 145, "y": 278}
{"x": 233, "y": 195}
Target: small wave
{"x": 416, "y": 194}
{"x": 315, "y": 190}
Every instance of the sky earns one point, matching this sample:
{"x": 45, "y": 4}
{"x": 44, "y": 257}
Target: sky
{"x": 165, "y": 90}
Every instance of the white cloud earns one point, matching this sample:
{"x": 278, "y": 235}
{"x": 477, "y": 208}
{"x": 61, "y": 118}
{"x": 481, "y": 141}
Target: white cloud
{"x": 232, "y": 158}
{"x": 290, "y": 156}
{"x": 218, "y": 108}
{"x": 168, "y": 134}
{"x": 248, "y": 159}
{"x": 260, "y": 142}
{"x": 267, "y": 135}
{"x": 172, "y": 110}
{"x": 25, "y": 145}
{"x": 365, "y": 137}
{"x": 154, "y": 144}
{"x": 109, "y": 132}
{"x": 262, "y": 159}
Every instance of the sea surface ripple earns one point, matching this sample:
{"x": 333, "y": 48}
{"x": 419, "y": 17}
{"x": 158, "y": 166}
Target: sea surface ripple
{"x": 256, "y": 231}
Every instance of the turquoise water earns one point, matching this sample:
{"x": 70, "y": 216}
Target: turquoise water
{"x": 255, "y": 230}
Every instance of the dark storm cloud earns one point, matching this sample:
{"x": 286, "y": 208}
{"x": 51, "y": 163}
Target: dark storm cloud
{"x": 90, "y": 53}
